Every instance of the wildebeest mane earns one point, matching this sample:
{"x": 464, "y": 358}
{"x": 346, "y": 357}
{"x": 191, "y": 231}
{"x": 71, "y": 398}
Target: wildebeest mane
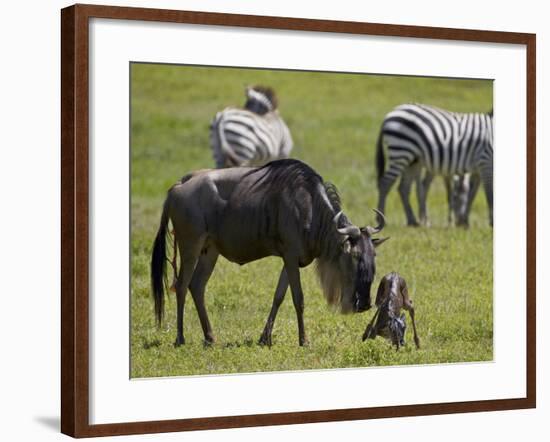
{"x": 282, "y": 174}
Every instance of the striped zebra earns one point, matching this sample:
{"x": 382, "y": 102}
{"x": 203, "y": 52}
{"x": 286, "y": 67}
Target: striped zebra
{"x": 414, "y": 137}
{"x": 250, "y": 136}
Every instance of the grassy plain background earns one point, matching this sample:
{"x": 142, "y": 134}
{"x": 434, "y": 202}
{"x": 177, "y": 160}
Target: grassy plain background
{"x": 334, "y": 119}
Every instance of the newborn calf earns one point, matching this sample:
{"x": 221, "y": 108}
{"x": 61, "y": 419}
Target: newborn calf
{"x": 388, "y": 320}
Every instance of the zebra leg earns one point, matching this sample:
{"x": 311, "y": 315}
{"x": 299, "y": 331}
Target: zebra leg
{"x": 464, "y": 214}
{"x": 404, "y": 191}
{"x": 387, "y": 180}
{"x": 422, "y": 196}
{"x": 487, "y": 178}
{"x": 450, "y": 188}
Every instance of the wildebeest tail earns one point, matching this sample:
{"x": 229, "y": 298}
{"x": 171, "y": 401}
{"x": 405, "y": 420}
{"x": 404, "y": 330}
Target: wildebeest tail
{"x": 158, "y": 264}
{"x": 380, "y": 159}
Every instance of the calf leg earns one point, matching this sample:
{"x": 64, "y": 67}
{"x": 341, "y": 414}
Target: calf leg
{"x": 416, "y": 339}
{"x": 408, "y": 305}
{"x": 280, "y": 292}
{"x": 370, "y": 332}
{"x": 202, "y": 273}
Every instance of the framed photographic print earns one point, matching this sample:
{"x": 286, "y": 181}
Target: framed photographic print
{"x": 380, "y": 177}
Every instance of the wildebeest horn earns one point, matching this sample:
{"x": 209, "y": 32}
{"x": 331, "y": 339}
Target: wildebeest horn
{"x": 350, "y": 230}
{"x": 380, "y": 226}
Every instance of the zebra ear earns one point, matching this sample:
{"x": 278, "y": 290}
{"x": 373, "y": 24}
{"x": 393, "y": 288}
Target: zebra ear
{"x": 377, "y": 241}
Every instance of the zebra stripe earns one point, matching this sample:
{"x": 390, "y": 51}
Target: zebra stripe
{"x": 443, "y": 142}
{"x": 239, "y": 137}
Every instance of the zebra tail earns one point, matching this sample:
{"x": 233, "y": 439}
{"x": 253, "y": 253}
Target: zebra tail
{"x": 380, "y": 159}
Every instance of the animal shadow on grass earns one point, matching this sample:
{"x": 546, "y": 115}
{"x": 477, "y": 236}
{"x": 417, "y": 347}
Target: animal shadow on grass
{"x": 248, "y": 342}
{"x": 148, "y": 344}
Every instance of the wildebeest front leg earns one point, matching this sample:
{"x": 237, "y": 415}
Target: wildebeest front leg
{"x": 293, "y": 272}
{"x": 280, "y": 292}
{"x": 202, "y": 273}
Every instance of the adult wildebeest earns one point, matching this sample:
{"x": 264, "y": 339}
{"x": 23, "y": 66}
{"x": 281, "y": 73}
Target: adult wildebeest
{"x": 388, "y": 321}
{"x": 281, "y": 209}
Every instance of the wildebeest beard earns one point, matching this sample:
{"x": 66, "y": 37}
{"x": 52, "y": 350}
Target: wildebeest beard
{"x": 332, "y": 279}
{"x": 363, "y": 282}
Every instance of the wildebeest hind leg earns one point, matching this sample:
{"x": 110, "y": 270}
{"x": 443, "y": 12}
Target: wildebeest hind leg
{"x": 188, "y": 260}
{"x": 280, "y": 292}
{"x": 202, "y": 273}
{"x": 174, "y": 264}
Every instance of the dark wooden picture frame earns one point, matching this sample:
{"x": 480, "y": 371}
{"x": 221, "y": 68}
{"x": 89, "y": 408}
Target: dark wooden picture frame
{"x": 75, "y": 220}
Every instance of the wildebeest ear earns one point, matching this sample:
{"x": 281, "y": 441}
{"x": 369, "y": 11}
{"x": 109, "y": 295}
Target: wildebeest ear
{"x": 377, "y": 241}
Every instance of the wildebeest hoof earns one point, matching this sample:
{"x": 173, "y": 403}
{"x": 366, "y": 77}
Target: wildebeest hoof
{"x": 413, "y": 224}
{"x": 179, "y": 341}
{"x": 304, "y": 342}
{"x": 209, "y": 340}
{"x": 265, "y": 340}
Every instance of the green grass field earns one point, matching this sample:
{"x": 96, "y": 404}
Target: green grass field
{"x": 334, "y": 119}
